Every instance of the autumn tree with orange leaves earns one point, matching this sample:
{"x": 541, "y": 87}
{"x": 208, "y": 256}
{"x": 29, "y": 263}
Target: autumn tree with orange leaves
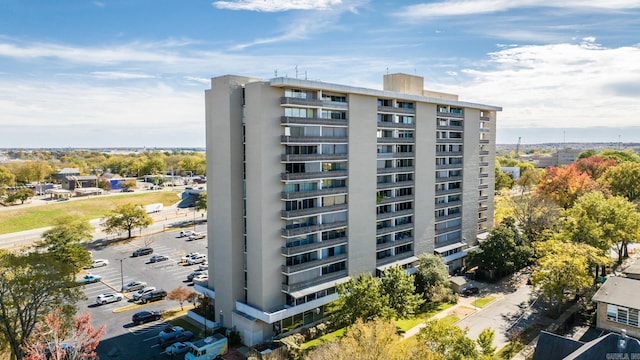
{"x": 565, "y": 185}
{"x": 55, "y": 340}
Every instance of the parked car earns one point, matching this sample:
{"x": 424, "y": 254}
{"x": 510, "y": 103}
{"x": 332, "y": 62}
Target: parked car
{"x": 197, "y": 259}
{"x": 142, "y": 251}
{"x": 196, "y": 236}
{"x": 145, "y": 316}
{"x": 204, "y": 266}
{"x": 109, "y": 298}
{"x": 170, "y": 332}
{"x": 89, "y": 279}
{"x": 134, "y": 286}
{"x": 194, "y": 274}
{"x": 158, "y": 258}
{"x": 183, "y": 336}
{"x": 127, "y": 190}
{"x": 178, "y": 348}
{"x": 186, "y": 258}
{"x": 154, "y": 295}
{"x": 98, "y": 263}
{"x": 139, "y": 293}
{"x": 185, "y": 233}
{"x": 201, "y": 277}
{"x": 473, "y": 290}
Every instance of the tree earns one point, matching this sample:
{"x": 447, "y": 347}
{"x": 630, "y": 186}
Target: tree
{"x": 361, "y": 298}
{"x": 503, "y": 180}
{"x": 6, "y": 179}
{"x": 47, "y": 339}
{"x": 594, "y": 166}
{"x": 564, "y": 185}
{"x": 624, "y": 180}
{"x": 587, "y": 153}
{"x": 399, "y": 288}
{"x": 602, "y": 222}
{"x": 22, "y": 194}
{"x": 432, "y": 278}
{"x": 485, "y": 341}
{"x": 447, "y": 340}
{"x": 529, "y": 178}
{"x": 505, "y": 250}
{"x": 32, "y": 286}
{"x": 129, "y": 184}
{"x": 564, "y": 267}
{"x": 182, "y": 294}
{"x": 201, "y": 203}
{"x": 377, "y": 339}
{"x": 620, "y": 155}
{"x": 64, "y": 241}
{"x": 125, "y": 218}
{"x": 534, "y": 214}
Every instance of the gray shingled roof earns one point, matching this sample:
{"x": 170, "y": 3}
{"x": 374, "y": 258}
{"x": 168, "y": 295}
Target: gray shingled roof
{"x": 619, "y": 291}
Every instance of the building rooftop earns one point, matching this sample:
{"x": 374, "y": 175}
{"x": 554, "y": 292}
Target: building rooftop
{"x": 619, "y": 291}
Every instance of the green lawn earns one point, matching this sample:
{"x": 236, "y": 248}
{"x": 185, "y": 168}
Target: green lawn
{"x": 27, "y": 218}
{"x": 327, "y": 337}
{"x": 405, "y": 324}
{"x": 483, "y": 301}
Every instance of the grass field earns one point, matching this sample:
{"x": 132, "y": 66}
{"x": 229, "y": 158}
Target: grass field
{"x": 483, "y": 301}
{"x": 33, "y": 217}
{"x": 406, "y": 324}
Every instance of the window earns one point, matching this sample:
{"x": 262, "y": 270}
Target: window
{"x": 385, "y": 118}
{"x": 384, "y": 102}
{"x": 335, "y": 115}
{"x": 405, "y": 119}
{"x": 328, "y": 269}
{"x": 298, "y": 93}
{"x": 298, "y": 112}
{"x": 622, "y": 315}
{"x": 405, "y": 105}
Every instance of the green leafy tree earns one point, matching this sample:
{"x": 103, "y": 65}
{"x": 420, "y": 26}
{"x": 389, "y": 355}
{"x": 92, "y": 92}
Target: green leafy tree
{"x": 399, "y": 288}
{"x": 201, "y": 203}
{"x": 64, "y": 241}
{"x": 504, "y": 251}
{"x": 155, "y": 164}
{"x": 587, "y": 153}
{"x": 503, "y": 180}
{"x": 32, "y": 286}
{"x": 620, "y": 155}
{"x": 602, "y": 222}
{"x": 529, "y": 179}
{"x": 21, "y": 195}
{"x": 624, "y": 180}
{"x": 562, "y": 268}
{"x": 6, "y": 179}
{"x": 432, "y": 278}
{"x": 534, "y": 214}
{"x": 126, "y": 218}
{"x": 447, "y": 340}
{"x": 361, "y": 298}
{"x": 485, "y": 341}
{"x": 129, "y": 184}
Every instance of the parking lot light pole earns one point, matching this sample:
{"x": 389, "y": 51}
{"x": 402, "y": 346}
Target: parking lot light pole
{"x": 194, "y": 219}
{"x": 121, "y": 275}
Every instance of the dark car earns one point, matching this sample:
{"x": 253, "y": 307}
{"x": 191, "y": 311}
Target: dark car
{"x": 154, "y": 295}
{"x": 142, "y": 251}
{"x": 145, "y": 316}
{"x": 470, "y": 291}
{"x": 181, "y": 337}
{"x": 158, "y": 258}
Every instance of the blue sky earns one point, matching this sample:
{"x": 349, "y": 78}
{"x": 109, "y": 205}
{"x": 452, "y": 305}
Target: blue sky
{"x": 77, "y": 73}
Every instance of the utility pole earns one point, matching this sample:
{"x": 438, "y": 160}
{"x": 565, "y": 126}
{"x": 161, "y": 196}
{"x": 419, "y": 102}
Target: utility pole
{"x": 121, "y": 275}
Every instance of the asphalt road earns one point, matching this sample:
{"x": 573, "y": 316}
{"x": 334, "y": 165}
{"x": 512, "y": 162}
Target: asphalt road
{"x": 122, "y": 339}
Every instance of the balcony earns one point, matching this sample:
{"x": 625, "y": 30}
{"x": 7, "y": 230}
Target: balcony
{"x": 485, "y": 130}
{"x": 312, "y": 264}
{"x": 392, "y": 214}
{"x": 449, "y": 141}
{"x": 402, "y": 169}
{"x": 392, "y": 199}
{"x": 484, "y": 118}
{"x": 392, "y": 229}
{"x": 313, "y": 193}
{"x": 288, "y": 251}
{"x": 313, "y": 139}
{"x": 394, "y": 125}
{"x": 448, "y": 204}
{"x": 449, "y": 153}
{"x": 395, "y": 110}
{"x": 483, "y": 198}
{"x": 391, "y": 185}
{"x": 483, "y": 219}
{"x": 312, "y": 121}
{"x": 483, "y": 208}
{"x": 483, "y": 152}
{"x": 449, "y": 166}
{"x": 447, "y": 229}
{"x": 484, "y": 141}
{"x": 303, "y": 230}
{"x": 448, "y": 191}
{"x": 396, "y": 155}
{"x": 312, "y": 157}
{"x": 312, "y": 211}
{"x": 448, "y": 179}
{"x": 449, "y": 127}
{"x": 302, "y": 102}
{"x": 484, "y": 175}
{"x": 315, "y": 281}
{"x": 392, "y": 259}
{"x": 483, "y": 186}
{"x": 484, "y": 163}
{"x": 314, "y": 175}
{"x": 395, "y": 140}
{"x": 390, "y": 244}
{"x": 448, "y": 217}
{"x": 448, "y": 114}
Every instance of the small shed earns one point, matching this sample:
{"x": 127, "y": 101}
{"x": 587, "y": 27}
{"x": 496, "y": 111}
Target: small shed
{"x": 457, "y": 283}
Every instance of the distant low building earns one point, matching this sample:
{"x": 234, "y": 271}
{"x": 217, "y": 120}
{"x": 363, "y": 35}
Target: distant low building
{"x": 514, "y": 171}
{"x": 62, "y": 173}
{"x": 73, "y": 182}
{"x": 618, "y": 305}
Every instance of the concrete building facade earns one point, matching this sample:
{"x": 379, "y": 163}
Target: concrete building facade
{"x": 314, "y": 183}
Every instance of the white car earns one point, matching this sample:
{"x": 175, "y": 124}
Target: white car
{"x": 109, "y": 298}
{"x": 134, "y": 286}
{"x": 185, "y": 233}
{"x": 201, "y": 277}
{"x": 189, "y": 256}
{"x": 197, "y": 259}
{"x": 99, "y": 263}
{"x": 204, "y": 266}
{"x": 143, "y": 291}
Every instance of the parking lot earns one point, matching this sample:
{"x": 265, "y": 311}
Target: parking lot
{"x": 123, "y": 340}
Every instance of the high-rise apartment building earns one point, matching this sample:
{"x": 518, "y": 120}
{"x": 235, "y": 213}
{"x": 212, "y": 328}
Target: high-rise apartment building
{"x": 311, "y": 183}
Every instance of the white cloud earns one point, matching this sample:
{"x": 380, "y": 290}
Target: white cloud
{"x": 99, "y": 4}
{"x": 276, "y": 5}
{"x": 470, "y": 7}
{"x": 115, "y": 75}
{"x": 557, "y": 86}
